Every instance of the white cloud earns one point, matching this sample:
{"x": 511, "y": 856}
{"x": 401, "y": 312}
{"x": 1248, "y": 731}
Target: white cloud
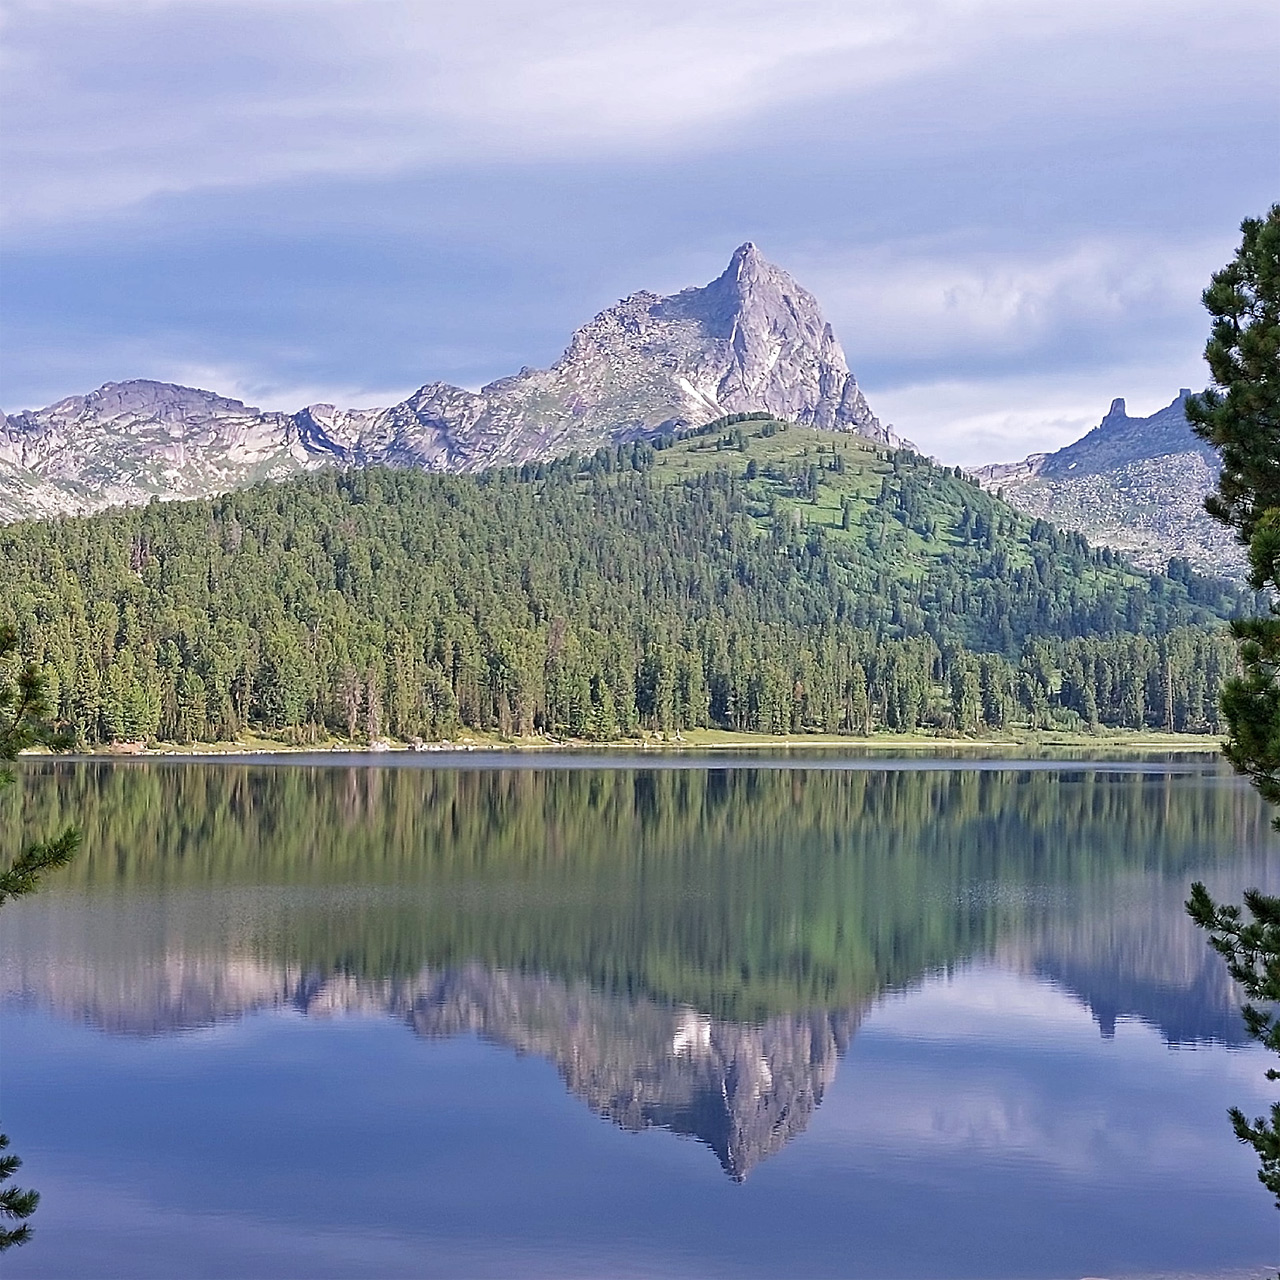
{"x": 1002, "y": 418}
{"x": 112, "y": 101}
{"x": 263, "y": 383}
{"x": 1068, "y": 1100}
{"x": 915, "y": 302}
{"x": 1009, "y": 334}
{"x": 1047, "y": 338}
{"x": 263, "y": 391}
{"x": 980, "y": 348}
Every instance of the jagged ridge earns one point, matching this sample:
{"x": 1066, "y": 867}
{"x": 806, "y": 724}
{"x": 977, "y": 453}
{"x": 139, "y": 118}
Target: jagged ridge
{"x": 752, "y": 339}
{"x": 1136, "y": 485}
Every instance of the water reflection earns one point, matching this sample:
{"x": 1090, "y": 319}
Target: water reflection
{"x": 740, "y": 892}
{"x": 693, "y": 950}
{"x": 743, "y": 1089}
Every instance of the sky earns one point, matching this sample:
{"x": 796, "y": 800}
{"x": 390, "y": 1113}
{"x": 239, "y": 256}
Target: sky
{"x": 1007, "y": 208}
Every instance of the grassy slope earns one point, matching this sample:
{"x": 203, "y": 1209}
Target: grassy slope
{"x": 903, "y": 552}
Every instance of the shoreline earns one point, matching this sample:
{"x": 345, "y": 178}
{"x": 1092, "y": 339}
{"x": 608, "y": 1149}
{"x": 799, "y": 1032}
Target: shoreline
{"x": 695, "y": 742}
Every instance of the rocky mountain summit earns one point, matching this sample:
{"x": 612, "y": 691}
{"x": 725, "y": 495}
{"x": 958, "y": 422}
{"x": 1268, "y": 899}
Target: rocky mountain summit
{"x": 752, "y": 339}
{"x": 1134, "y": 484}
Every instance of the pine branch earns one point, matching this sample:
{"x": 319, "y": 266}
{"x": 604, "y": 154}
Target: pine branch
{"x": 15, "y": 1203}
{"x": 23, "y": 875}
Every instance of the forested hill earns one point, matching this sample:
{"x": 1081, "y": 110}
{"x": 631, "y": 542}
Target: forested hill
{"x": 751, "y": 576}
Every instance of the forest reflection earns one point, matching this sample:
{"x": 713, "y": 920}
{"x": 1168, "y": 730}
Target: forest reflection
{"x": 692, "y": 948}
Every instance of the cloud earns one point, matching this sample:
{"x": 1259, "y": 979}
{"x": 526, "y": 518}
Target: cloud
{"x": 1003, "y": 205}
{"x": 975, "y": 355}
{"x": 110, "y": 102}
{"x": 981, "y": 355}
{"x": 1004, "y": 418}
{"x": 916, "y": 303}
{"x": 1067, "y": 1100}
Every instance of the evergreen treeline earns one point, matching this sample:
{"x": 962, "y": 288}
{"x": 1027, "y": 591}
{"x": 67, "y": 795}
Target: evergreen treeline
{"x": 781, "y": 581}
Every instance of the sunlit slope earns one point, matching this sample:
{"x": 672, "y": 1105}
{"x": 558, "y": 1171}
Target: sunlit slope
{"x": 892, "y": 517}
{"x": 893, "y": 509}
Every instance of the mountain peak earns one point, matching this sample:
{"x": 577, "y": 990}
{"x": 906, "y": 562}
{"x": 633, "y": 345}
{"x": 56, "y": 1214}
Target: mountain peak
{"x": 746, "y": 258}
{"x": 749, "y": 271}
{"x": 1119, "y": 439}
{"x": 144, "y": 396}
{"x": 1135, "y": 484}
{"x": 751, "y": 340}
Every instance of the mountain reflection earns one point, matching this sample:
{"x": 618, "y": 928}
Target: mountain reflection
{"x": 1124, "y": 950}
{"x": 692, "y": 950}
{"x": 743, "y": 1090}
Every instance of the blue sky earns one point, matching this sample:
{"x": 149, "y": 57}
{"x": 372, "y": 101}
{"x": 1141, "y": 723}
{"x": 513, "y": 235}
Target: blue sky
{"x": 1008, "y": 208}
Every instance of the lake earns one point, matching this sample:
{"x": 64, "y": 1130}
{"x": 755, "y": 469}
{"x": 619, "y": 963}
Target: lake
{"x": 637, "y": 1015}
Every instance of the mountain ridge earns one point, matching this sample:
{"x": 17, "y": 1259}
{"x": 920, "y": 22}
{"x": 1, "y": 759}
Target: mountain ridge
{"x": 1136, "y": 485}
{"x": 753, "y": 339}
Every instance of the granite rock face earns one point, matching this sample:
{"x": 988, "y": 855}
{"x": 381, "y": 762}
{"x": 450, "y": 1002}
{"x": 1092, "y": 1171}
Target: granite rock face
{"x": 751, "y": 340}
{"x": 130, "y": 441}
{"x": 1134, "y": 484}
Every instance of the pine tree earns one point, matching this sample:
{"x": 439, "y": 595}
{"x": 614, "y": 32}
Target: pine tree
{"x": 16, "y": 1204}
{"x": 24, "y": 712}
{"x": 1241, "y": 416}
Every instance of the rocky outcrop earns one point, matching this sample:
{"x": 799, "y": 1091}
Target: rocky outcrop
{"x": 751, "y": 340}
{"x": 128, "y": 442}
{"x": 1134, "y": 484}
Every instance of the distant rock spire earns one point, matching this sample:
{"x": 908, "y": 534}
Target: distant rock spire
{"x": 1136, "y": 485}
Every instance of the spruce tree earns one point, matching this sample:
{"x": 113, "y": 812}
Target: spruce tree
{"x": 24, "y": 722}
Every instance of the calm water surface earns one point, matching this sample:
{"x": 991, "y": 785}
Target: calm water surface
{"x": 794, "y": 1016}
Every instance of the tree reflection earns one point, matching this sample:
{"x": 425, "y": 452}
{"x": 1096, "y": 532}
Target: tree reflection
{"x": 691, "y": 949}
{"x": 24, "y": 723}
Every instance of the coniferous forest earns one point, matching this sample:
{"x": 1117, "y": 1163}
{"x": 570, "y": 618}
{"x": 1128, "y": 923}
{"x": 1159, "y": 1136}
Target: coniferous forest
{"x": 748, "y": 576}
